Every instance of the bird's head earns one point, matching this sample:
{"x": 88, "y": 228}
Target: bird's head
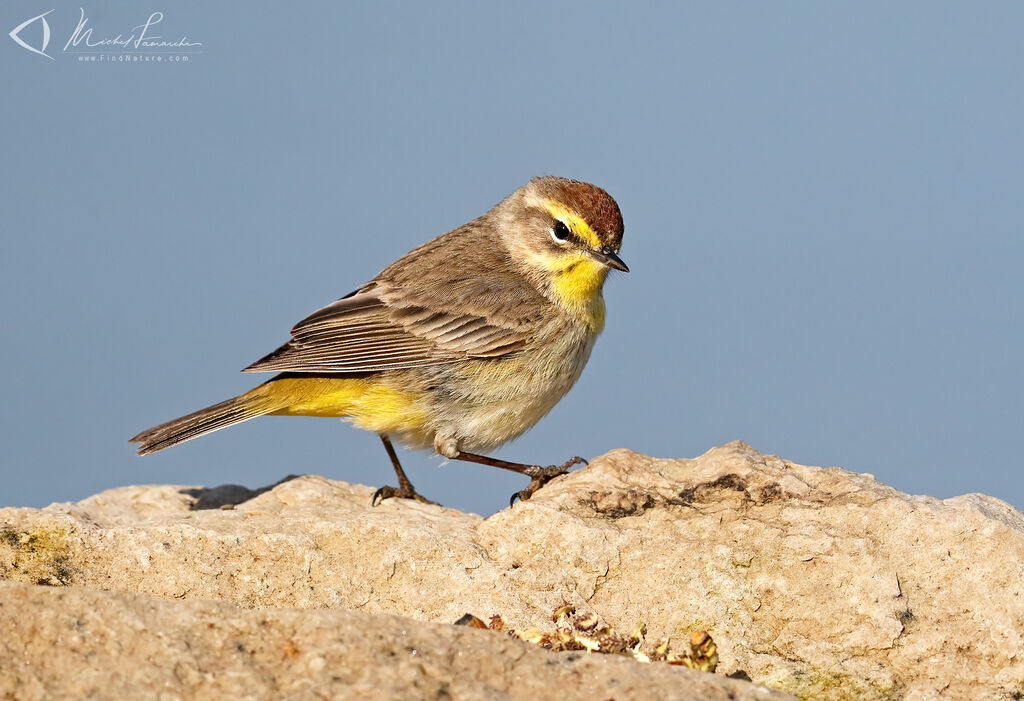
{"x": 566, "y": 234}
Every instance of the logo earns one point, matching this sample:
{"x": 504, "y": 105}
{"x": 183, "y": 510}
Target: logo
{"x": 139, "y": 43}
{"x": 46, "y": 35}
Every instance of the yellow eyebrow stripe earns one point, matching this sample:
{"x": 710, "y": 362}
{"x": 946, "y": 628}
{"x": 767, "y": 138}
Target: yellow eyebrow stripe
{"x": 574, "y": 221}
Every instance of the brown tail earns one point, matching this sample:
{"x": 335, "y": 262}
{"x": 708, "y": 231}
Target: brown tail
{"x": 204, "y": 421}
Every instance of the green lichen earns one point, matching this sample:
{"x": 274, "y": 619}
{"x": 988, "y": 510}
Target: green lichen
{"x": 814, "y": 684}
{"x": 38, "y": 555}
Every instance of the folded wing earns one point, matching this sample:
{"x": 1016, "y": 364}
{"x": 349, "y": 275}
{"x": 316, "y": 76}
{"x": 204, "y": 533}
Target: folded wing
{"x": 384, "y": 328}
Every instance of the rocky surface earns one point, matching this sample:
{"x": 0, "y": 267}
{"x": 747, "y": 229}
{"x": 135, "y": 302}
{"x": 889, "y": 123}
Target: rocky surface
{"x": 819, "y": 582}
{"x": 78, "y": 643}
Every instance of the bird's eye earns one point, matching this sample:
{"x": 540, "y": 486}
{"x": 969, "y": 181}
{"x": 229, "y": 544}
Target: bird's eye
{"x": 560, "y": 232}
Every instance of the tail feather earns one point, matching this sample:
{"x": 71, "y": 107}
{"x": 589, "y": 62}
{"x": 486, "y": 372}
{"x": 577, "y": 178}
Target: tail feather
{"x": 201, "y": 422}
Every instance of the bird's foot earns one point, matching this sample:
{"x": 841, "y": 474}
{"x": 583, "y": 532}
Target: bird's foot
{"x": 539, "y": 476}
{"x": 407, "y": 492}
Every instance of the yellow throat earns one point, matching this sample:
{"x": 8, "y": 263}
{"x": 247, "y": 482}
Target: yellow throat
{"x": 577, "y": 279}
{"x": 576, "y": 286}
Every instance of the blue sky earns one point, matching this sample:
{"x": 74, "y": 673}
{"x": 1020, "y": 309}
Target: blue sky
{"x": 822, "y": 205}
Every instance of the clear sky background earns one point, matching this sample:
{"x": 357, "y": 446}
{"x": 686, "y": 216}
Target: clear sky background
{"x": 823, "y": 206}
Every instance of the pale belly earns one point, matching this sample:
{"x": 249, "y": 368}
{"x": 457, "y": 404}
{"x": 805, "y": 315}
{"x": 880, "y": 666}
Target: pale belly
{"x": 482, "y": 404}
{"x": 472, "y": 406}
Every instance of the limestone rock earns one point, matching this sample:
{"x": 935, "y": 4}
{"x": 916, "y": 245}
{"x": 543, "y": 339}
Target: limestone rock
{"x": 78, "y": 643}
{"x": 820, "y": 582}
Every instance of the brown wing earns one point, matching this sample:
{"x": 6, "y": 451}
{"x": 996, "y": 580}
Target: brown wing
{"x": 443, "y": 314}
{"x": 362, "y": 334}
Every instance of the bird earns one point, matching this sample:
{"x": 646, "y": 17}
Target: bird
{"x": 459, "y": 346}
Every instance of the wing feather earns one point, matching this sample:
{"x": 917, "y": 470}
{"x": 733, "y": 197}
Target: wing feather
{"x": 421, "y": 310}
{"x": 364, "y": 334}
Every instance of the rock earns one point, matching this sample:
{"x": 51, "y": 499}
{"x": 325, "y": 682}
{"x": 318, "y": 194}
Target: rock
{"x": 81, "y": 643}
{"x": 819, "y": 582}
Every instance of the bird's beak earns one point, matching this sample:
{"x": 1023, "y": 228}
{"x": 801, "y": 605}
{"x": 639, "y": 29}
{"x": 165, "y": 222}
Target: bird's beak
{"x": 608, "y": 257}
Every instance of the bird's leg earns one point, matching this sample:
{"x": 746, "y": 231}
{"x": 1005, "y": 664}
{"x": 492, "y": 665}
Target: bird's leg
{"x": 405, "y": 489}
{"x": 539, "y": 476}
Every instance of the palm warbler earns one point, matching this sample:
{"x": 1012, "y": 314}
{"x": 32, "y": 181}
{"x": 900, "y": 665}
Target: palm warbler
{"x": 460, "y": 345}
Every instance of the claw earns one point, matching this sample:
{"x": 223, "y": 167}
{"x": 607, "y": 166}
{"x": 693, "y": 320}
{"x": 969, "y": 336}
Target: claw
{"x": 525, "y": 494}
{"x": 389, "y": 492}
{"x": 542, "y": 475}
